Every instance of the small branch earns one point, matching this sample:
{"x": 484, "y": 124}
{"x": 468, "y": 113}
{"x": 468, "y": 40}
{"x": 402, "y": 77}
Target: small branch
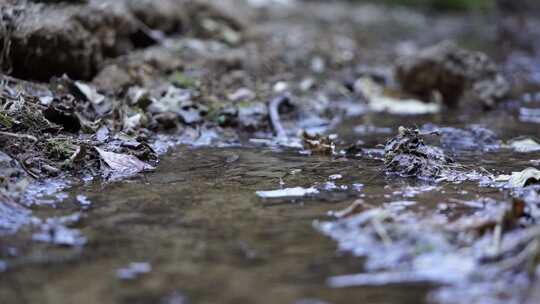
{"x": 21, "y": 136}
{"x": 273, "y": 108}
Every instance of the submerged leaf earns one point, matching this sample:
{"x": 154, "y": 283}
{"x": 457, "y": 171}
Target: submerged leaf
{"x": 123, "y": 163}
{"x": 522, "y": 178}
{"x": 525, "y": 145}
{"x": 287, "y": 192}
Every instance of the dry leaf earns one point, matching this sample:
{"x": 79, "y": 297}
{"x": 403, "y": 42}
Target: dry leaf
{"x": 123, "y": 163}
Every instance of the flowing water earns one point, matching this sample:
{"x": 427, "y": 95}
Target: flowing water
{"x": 201, "y": 234}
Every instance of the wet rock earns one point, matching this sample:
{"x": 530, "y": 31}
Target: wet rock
{"x": 458, "y": 75}
{"x": 408, "y": 155}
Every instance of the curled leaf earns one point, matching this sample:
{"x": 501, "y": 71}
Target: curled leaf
{"x": 123, "y": 163}
{"x": 525, "y": 145}
{"x": 521, "y": 179}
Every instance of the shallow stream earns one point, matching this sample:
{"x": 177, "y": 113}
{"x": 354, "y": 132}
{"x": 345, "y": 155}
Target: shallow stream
{"x": 201, "y": 234}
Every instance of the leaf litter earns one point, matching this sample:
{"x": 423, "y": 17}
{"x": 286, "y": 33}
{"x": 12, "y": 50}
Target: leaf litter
{"x": 468, "y": 260}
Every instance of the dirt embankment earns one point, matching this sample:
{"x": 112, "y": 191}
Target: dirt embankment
{"x": 96, "y": 73}
{"x": 42, "y": 40}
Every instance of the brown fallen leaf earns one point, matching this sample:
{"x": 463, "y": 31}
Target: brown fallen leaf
{"x": 123, "y": 163}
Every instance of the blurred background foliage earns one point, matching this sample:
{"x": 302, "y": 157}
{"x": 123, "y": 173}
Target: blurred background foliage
{"x": 440, "y": 4}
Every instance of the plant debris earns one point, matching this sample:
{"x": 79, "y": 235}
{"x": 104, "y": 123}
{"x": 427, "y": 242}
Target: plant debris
{"x": 524, "y": 145}
{"x": 133, "y": 270}
{"x": 407, "y": 155}
{"x": 319, "y": 144}
{"x": 123, "y": 164}
{"x": 520, "y": 179}
{"x": 287, "y": 192}
{"x": 467, "y": 258}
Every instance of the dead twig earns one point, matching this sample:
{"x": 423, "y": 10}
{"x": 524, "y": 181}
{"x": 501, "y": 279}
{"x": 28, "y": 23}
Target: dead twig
{"x": 21, "y": 136}
{"x": 275, "y": 119}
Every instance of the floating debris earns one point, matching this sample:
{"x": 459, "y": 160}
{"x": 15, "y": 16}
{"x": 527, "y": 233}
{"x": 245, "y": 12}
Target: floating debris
{"x": 377, "y": 279}
{"x": 287, "y": 192}
{"x": 335, "y": 176}
{"x": 520, "y": 179}
{"x": 407, "y": 155}
{"x": 83, "y": 201}
{"x": 133, "y": 271}
{"x": 525, "y": 145}
{"x": 410, "y": 191}
{"x": 319, "y": 144}
{"x": 330, "y": 186}
{"x": 403, "y": 247}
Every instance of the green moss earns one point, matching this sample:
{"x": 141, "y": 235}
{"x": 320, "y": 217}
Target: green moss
{"x": 182, "y": 80}
{"x": 59, "y": 148}
{"x": 5, "y": 120}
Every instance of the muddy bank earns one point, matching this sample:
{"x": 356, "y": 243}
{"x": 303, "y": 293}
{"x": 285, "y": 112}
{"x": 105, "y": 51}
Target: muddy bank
{"x": 44, "y": 40}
